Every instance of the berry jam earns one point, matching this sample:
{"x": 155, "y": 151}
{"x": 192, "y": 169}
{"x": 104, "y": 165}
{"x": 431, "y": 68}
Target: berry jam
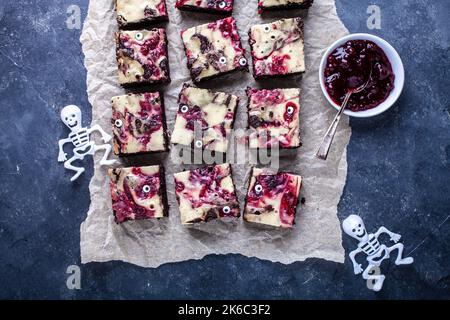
{"x": 348, "y": 67}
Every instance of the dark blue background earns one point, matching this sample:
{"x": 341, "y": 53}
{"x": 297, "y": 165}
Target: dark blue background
{"x": 398, "y": 173}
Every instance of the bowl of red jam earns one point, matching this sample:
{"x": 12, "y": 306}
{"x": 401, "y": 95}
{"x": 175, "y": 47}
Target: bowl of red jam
{"x": 347, "y": 64}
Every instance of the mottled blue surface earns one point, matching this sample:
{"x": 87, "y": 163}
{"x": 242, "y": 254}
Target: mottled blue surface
{"x": 399, "y": 170}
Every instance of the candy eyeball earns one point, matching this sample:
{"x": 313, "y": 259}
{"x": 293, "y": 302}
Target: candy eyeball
{"x": 226, "y": 209}
{"x": 199, "y": 143}
{"x": 146, "y": 188}
{"x": 139, "y": 36}
{"x": 118, "y": 123}
{"x": 243, "y": 61}
{"x": 258, "y": 188}
{"x": 223, "y": 60}
{"x": 222, "y": 4}
{"x": 267, "y": 29}
{"x": 184, "y": 108}
{"x": 290, "y": 110}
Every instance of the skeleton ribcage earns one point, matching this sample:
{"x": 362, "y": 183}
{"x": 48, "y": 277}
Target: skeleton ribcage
{"x": 79, "y": 138}
{"x": 372, "y": 246}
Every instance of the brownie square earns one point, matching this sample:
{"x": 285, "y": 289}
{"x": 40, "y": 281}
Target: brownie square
{"x": 277, "y": 48}
{"x": 138, "y": 123}
{"x": 209, "y": 6}
{"x": 272, "y": 198}
{"x": 270, "y": 5}
{"x": 214, "y": 114}
{"x": 140, "y": 12}
{"x": 213, "y": 49}
{"x": 206, "y": 193}
{"x": 142, "y": 57}
{"x": 138, "y": 193}
{"x": 273, "y": 117}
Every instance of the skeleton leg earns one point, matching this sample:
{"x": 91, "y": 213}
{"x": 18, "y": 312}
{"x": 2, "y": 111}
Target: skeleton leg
{"x": 104, "y": 160}
{"x": 399, "y": 259}
{"x": 376, "y": 279}
{"x": 68, "y": 165}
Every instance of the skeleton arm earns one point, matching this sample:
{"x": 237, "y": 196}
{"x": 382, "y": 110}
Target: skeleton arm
{"x": 394, "y": 236}
{"x": 357, "y": 268}
{"x": 62, "y": 155}
{"x": 105, "y": 137}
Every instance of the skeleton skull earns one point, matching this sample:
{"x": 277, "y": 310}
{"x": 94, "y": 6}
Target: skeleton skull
{"x": 354, "y": 227}
{"x": 71, "y": 116}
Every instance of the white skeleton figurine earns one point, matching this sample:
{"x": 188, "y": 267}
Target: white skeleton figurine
{"x": 79, "y": 137}
{"x": 376, "y": 252}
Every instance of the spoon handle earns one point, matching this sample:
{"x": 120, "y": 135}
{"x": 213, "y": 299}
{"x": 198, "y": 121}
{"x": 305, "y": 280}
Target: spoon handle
{"x": 324, "y": 148}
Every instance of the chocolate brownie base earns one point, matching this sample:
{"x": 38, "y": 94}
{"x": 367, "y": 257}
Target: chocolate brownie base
{"x": 144, "y": 24}
{"x": 305, "y": 5}
{"x": 163, "y": 190}
{"x": 188, "y": 8}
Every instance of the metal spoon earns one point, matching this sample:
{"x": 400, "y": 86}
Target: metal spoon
{"x": 324, "y": 148}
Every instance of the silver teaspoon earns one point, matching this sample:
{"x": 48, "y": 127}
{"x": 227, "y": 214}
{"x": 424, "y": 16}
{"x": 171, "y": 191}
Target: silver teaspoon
{"x": 324, "y": 148}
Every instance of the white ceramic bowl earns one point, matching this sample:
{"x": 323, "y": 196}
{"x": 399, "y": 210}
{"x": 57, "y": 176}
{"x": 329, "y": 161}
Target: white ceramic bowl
{"x": 397, "y": 68}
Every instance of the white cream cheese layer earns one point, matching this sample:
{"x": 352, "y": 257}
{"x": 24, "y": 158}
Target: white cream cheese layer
{"x": 217, "y": 110}
{"x": 195, "y": 207}
{"x": 287, "y": 133}
{"x": 130, "y": 121}
{"x": 278, "y": 48}
{"x": 261, "y": 214}
{"x": 221, "y": 53}
{"x": 133, "y": 181}
{"x": 132, "y": 60}
{"x": 134, "y": 11}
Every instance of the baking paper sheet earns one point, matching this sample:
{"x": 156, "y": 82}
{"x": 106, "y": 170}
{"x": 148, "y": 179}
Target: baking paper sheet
{"x": 152, "y": 243}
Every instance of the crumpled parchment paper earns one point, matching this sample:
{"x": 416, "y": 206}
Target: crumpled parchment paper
{"x": 152, "y": 243}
